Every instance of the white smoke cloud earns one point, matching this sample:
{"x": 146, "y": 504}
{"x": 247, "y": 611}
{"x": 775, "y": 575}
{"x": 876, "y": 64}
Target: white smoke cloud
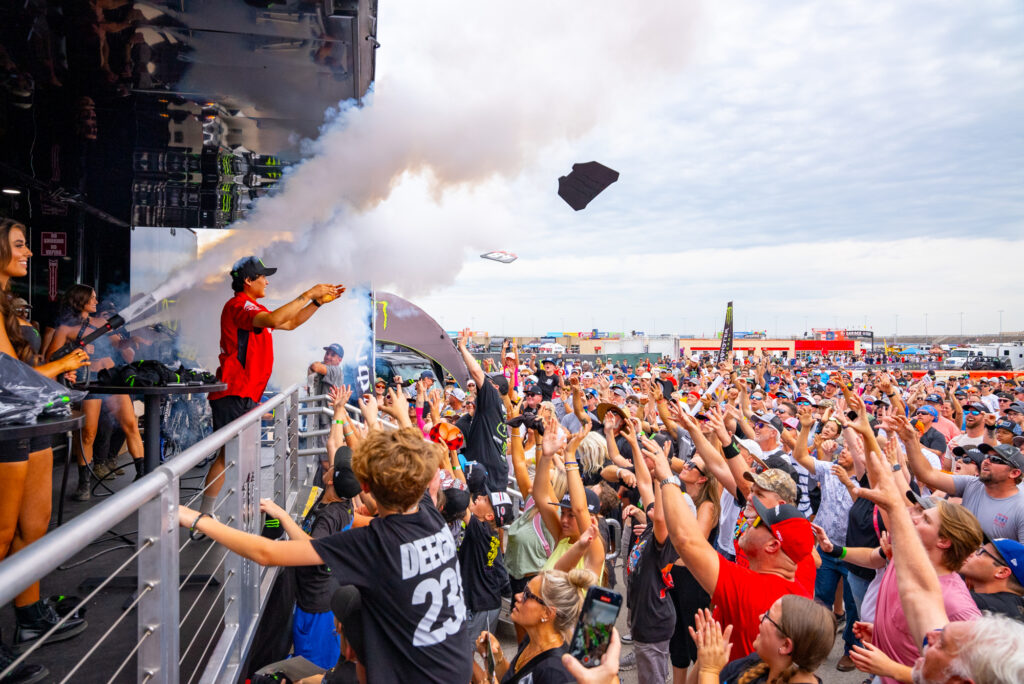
{"x": 466, "y": 96}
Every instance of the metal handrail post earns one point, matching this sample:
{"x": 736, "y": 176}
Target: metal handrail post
{"x": 293, "y": 441}
{"x": 157, "y": 627}
{"x": 282, "y": 473}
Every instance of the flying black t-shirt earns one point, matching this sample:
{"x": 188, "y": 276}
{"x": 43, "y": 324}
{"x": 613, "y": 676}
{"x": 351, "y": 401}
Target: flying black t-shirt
{"x": 314, "y": 584}
{"x": 547, "y": 384}
{"x": 407, "y": 573}
{"x": 544, "y": 668}
{"x": 648, "y": 579}
{"x": 487, "y": 439}
{"x": 484, "y": 577}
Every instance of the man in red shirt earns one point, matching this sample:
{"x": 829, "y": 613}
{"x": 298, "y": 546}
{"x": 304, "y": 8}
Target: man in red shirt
{"x": 247, "y": 350}
{"x": 775, "y": 543}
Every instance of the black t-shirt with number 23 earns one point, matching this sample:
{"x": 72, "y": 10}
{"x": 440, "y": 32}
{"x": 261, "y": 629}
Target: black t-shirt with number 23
{"x": 407, "y": 572}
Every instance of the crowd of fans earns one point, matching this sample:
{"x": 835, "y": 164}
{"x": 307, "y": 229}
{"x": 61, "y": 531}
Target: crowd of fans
{"x": 764, "y": 507}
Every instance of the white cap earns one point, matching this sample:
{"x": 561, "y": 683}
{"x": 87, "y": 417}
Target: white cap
{"x": 588, "y": 375}
{"x": 645, "y": 376}
{"x": 459, "y": 394}
{"x": 751, "y": 446}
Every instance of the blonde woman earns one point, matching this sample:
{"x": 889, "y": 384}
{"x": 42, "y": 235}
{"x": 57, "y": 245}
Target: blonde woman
{"x": 546, "y": 610}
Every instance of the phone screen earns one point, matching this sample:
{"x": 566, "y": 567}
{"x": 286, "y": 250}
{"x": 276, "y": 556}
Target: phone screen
{"x": 489, "y": 660}
{"x": 594, "y": 628}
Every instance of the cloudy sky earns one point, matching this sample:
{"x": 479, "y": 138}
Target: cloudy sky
{"x": 822, "y": 164}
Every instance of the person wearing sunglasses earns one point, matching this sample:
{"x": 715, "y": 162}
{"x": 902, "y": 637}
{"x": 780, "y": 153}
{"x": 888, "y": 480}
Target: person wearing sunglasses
{"x": 794, "y": 637}
{"x": 547, "y": 609}
{"x": 973, "y": 434}
{"x": 995, "y": 576}
{"x": 924, "y": 420}
{"x": 992, "y": 497}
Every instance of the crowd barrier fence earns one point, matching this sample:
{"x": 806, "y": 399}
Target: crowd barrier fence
{"x": 242, "y": 585}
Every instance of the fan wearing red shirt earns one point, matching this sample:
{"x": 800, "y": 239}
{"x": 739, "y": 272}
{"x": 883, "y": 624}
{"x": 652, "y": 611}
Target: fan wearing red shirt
{"x": 247, "y": 350}
{"x": 776, "y": 541}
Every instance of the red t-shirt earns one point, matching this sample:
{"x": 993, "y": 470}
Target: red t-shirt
{"x": 246, "y": 353}
{"x": 740, "y": 597}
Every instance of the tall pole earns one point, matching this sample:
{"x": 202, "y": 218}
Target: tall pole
{"x": 926, "y": 327}
{"x": 896, "y": 335}
{"x": 961, "y": 324}
{"x": 1000, "y": 325}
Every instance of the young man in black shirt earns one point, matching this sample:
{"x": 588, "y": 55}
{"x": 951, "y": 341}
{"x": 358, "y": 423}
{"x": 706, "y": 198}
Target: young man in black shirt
{"x": 404, "y": 563}
{"x": 548, "y": 379}
{"x": 487, "y": 437}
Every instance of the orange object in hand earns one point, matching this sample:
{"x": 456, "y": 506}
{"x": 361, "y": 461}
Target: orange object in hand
{"x": 327, "y": 298}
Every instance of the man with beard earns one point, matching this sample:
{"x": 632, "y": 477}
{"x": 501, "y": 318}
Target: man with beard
{"x": 974, "y": 421}
{"x": 992, "y": 497}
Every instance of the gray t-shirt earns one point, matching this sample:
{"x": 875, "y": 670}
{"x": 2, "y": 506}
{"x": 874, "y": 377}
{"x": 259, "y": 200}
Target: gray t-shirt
{"x": 998, "y": 517}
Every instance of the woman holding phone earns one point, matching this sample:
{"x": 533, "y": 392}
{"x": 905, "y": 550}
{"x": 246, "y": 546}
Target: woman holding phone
{"x": 547, "y": 609}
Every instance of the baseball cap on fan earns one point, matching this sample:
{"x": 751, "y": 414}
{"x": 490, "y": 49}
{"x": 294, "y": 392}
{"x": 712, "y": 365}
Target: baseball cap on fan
{"x": 787, "y": 524}
{"x": 251, "y": 267}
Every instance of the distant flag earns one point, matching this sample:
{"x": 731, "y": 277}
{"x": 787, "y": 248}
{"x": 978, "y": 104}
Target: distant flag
{"x": 500, "y": 256}
{"x": 584, "y": 183}
{"x": 725, "y": 351}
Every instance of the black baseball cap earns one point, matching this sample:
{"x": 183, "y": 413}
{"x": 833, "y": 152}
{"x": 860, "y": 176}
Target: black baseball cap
{"x": 548, "y": 360}
{"x": 933, "y": 399}
{"x": 251, "y": 267}
{"x": 977, "y": 406}
{"x": 593, "y": 502}
{"x": 973, "y": 455}
{"x": 476, "y": 480}
{"x": 1007, "y": 451}
{"x": 345, "y": 483}
{"x": 347, "y": 606}
{"x": 500, "y": 382}
{"x": 531, "y": 390}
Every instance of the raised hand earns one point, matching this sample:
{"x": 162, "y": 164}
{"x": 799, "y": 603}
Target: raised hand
{"x": 822, "y": 538}
{"x": 713, "y": 643}
{"x": 553, "y": 439}
{"x": 805, "y": 414}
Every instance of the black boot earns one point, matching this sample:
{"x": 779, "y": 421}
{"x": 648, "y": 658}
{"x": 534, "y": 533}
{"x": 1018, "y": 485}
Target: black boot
{"x": 84, "y": 491}
{"x": 139, "y": 468}
{"x": 35, "y": 620}
{"x": 23, "y": 674}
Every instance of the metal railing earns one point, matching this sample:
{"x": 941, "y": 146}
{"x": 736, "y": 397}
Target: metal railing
{"x": 153, "y": 500}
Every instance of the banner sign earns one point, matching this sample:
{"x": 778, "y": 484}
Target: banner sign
{"x": 53, "y": 244}
{"x": 725, "y": 351}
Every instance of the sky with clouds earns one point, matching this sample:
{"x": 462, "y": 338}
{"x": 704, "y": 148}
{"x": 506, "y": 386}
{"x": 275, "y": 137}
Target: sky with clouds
{"x": 821, "y": 164}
